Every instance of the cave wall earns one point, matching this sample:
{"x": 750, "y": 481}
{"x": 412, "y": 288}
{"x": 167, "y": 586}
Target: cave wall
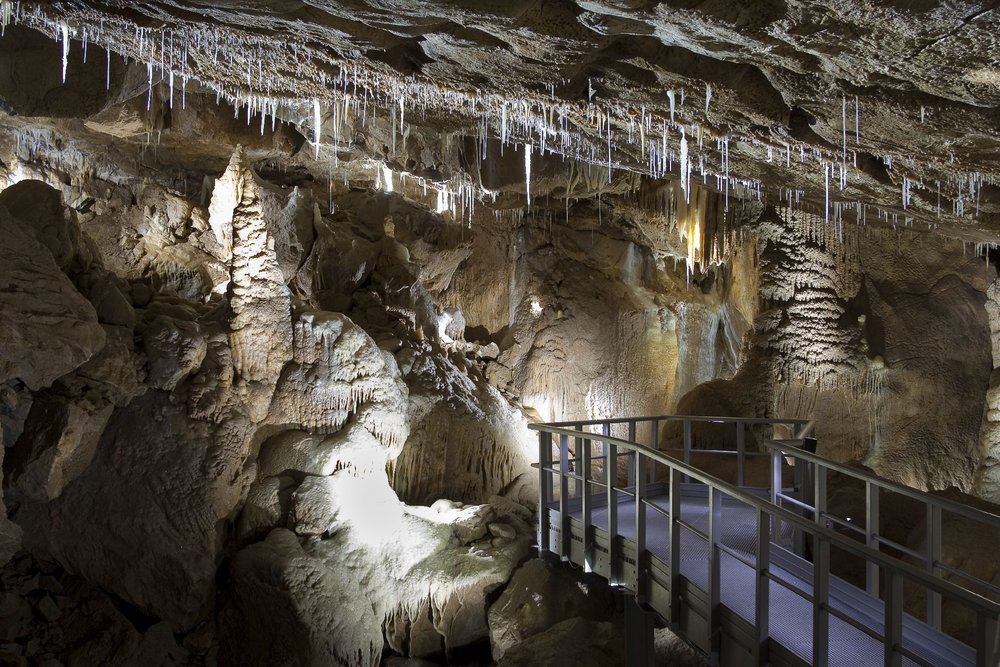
{"x": 881, "y": 336}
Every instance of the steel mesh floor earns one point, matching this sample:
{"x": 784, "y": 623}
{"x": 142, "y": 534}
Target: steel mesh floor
{"x": 790, "y": 613}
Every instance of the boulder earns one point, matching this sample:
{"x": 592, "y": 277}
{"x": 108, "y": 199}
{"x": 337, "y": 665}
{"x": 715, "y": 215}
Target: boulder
{"x": 47, "y": 328}
{"x": 57, "y": 446}
{"x": 39, "y": 209}
{"x": 285, "y": 608}
{"x": 540, "y": 595}
{"x": 160, "y": 485}
{"x": 575, "y": 641}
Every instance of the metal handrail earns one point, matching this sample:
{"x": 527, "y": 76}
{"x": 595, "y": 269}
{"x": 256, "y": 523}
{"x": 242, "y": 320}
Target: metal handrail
{"x": 694, "y": 418}
{"x": 800, "y": 428}
{"x": 967, "y": 511}
{"x": 933, "y": 507}
{"x": 944, "y": 586}
{"x": 987, "y": 611}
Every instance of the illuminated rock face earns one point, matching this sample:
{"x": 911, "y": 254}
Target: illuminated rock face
{"x": 272, "y": 398}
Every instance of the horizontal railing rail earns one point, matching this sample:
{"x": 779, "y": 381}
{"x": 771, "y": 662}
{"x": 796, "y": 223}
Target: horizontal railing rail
{"x": 816, "y": 503}
{"x": 577, "y": 467}
{"x": 798, "y": 429}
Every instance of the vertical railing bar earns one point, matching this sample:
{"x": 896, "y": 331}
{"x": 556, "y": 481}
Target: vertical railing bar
{"x": 577, "y": 461}
{"x": 587, "y": 504}
{"x": 987, "y": 638}
{"x": 933, "y": 557}
{"x": 687, "y": 444}
{"x": 821, "y": 601}
{"x": 544, "y": 488}
{"x": 762, "y": 589}
{"x": 614, "y": 546}
{"x": 675, "y": 546}
{"x": 819, "y": 493}
{"x": 775, "y": 490}
{"x": 564, "y": 534}
{"x": 632, "y": 455}
{"x": 893, "y": 636}
{"x": 714, "y": 572}
{"x": 741, "y": 451}
{"x": 640, "y": 528}
{"x": 803, "y": 492}
{"x": 650, "y": 472}
{"x": 871, "y": 536}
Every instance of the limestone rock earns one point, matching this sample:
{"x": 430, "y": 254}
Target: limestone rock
{"x": 113, "y": 371}
{"x": 360, "y": 380}
{"x": 39, "y": 209}
{"x": 266, "y": 506}
{"x": 571, "y": 642}
{"x": 286, "y": 608}
{"x": 353, "y": 447}
{"x": 540, "y": 595}
{"x": 312, "y": 506}
{"x": 260, "y": 335}
{"x": 174, "y": 349}
{"x": 108, "y": 296}
{"x": 15, "y": 404}
{"x": 57, "y": 446}
{"x": 158, "y": 485}
{"x": 48, "y": 329}
{"x": 44, "y": 92}
{"x": 471, "y": 523}
{"x": 466, "y": 440}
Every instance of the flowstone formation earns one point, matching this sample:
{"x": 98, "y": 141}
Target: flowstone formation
{"x": 282, "y": 287}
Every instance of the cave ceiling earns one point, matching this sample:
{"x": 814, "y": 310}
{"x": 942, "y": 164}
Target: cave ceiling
{"x": 875, "y": 113}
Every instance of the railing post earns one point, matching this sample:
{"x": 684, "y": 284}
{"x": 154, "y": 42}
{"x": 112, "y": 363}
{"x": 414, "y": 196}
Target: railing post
{"x": 741, "y": 452}
{"x": 544, "y": 488}
{"x": 933, "y": 556}
{"x": 639, "y": 634}
{"x": 640, "y": 528}
{"x": 655, "y": 446}
{"x": 714, "y": 573}
{"x": 687, "y": 441}
{"x": 819, "y": 493}
{"x": 614, "y": 546}
{"x": 587, "y": 504}
{"x": 893, "y": 636}
{"x": 762, "y": 591}
{"x": 803, "y": 492}
{"x": 871, "y": 536}
{"x": 987, "y": 640}
{"x": 631, "y": 466}
{"x": 564, "y": 470}
{"x": 775, "y": 490}
{"x": 602, "y": 449}
{"x": 675, "y": 545}
{"x": 821, "y": 601}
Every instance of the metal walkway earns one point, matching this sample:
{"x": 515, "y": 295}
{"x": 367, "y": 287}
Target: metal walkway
{"x": 749, "y": 574}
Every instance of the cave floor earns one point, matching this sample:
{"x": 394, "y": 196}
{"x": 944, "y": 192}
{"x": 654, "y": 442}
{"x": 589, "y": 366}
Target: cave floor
{"x": 790, "y": 613}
